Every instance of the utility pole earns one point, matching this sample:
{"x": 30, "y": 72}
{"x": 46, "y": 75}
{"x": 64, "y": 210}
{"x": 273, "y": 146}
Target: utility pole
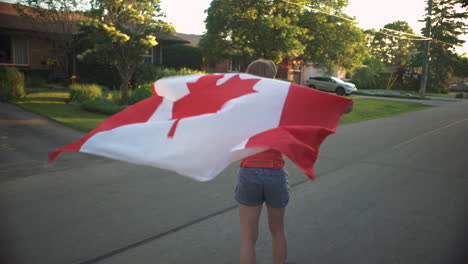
{"x": 425, "y": 66}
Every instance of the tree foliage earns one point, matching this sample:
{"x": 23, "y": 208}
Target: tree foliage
{"x": 261, "y": 28}
{"x": 368, "y": 77}
{"x": 276, "y": 29}
{"x": 121, "y": 32}
{"x": 332, "y": 41}
{"x": 392, "y": 48}
{"x": 448, "y": 23}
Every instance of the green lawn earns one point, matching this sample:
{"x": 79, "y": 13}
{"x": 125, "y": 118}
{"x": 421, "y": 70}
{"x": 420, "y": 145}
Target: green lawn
{"x": 365, "y": 109}
{"x": 52, "y": 104}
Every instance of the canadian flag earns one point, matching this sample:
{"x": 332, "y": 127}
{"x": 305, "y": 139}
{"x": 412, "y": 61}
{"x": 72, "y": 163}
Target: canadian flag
{"x": 197, "y": 125}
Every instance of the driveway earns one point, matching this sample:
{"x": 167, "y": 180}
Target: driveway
{"x": 390, "y": 190}
{"x": 26, "y": 139}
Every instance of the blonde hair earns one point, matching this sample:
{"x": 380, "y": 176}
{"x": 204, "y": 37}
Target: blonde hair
{"x": 262, "y": 67}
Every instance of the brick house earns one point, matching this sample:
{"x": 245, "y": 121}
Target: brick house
{"x": 232, "y": 63}
{"x": 296, "y": 71}
{"x": 26, "y": 44}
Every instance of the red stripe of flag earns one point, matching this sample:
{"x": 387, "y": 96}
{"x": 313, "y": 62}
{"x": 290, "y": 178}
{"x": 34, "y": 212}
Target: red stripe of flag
{"x": 308, "y": 117}
{"x": 137, "y": 113}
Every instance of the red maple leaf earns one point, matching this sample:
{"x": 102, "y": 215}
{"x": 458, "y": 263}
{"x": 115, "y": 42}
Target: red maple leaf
{"x": 206, "y": 97}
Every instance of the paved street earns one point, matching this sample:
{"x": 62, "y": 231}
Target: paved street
{"x": 391, "y": 190}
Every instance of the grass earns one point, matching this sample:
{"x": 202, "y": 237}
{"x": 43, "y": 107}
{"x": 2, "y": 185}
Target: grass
{"x": 366, "y": 109}
{"x": 52, "y": 104}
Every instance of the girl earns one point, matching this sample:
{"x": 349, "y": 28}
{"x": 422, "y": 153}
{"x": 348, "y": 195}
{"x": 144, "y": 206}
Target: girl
{"x": 262, "y": 178}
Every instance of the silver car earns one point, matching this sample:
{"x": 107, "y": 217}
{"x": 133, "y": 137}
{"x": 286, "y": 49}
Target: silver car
{"x": 331, "y": 84}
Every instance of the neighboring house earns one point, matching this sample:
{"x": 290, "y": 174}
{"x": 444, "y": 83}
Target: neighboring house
{"x": 26, "y": 44}
{"x": 232, "y": 63}
{"x": 312, "y": 70}
{"x": 299, "y": 71}
{"x": 155, "y": 55}
{"x": 192, "y": 39}
{"x": 293, "y": 70}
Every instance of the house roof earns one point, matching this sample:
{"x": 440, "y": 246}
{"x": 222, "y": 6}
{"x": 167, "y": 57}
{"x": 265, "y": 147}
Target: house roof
{"x": 12, "y": 20}
{"x": 171, "y": 38}
{"x": 191, "y": 38}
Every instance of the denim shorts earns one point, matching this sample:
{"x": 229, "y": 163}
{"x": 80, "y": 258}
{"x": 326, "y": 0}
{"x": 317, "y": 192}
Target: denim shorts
{"x": 256, "y": 185}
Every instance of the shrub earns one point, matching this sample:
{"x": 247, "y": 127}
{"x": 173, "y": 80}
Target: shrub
{"x": 369, "y": 77}
{"x": 102, "y": 74}
{"x": 364, "y": 78}
{"x": 12, "y": 86}
{"x": 140, "y": 93}
{"x": 166, "y": 72}
{"x": 101, "y": 105}
{"x": 146, "y": 73}
{"x": 115, "y": 96}
{"x": 4, "y": 88}
{"x": 82, "y": 92}
{"x": 35, "y": 77}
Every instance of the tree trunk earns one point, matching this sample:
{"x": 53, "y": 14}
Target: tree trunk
{"x": 125, "y": 74}
{"x": 124, "y": 89}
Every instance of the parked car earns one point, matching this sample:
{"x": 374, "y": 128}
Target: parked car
{"x": 331, "y": 84}
{"x": 460, "y": 87}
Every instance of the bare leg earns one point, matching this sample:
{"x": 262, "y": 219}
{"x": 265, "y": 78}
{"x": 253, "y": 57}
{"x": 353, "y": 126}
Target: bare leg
{"x": 276, "y": 224}
{"x": 249, "y": 216}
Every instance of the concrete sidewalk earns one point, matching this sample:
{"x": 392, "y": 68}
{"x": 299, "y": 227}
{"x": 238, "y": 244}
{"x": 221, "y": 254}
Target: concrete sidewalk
{"x": 391, "y": 190}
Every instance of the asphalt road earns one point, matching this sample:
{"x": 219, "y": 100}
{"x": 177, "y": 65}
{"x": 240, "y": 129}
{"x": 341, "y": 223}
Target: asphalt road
{"x": 391, "y": 190}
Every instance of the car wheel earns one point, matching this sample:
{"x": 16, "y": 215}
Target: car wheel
{"x": 340, "y": 91}
{"x": 312, "y": 86}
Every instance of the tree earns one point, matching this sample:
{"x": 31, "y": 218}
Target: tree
{"x": 277, "y": 29}
{"x": 390, "y": 47}
{"x": 461, "y": 67}
{"x": 463, "y": 3}
{"x": 257, "y": 28}
{"x": 448, "y": 23}
{"x": 369, "y": 77}
{"x": 59, "y": 18}
{"x": 121, "y": 32}
{"x": 332, "y": 41}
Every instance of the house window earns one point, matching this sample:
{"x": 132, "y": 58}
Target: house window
{"x": 297, "y": 67}
{"x": 157, "y": 54}
{"x": 5, "y": 49}
{"x": 148, "y": 57}
{"x": 13, "y": 50}
{"x": 234, "y": 65}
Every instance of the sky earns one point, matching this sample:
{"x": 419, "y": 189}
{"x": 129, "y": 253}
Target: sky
{"x": 188, "y": 15}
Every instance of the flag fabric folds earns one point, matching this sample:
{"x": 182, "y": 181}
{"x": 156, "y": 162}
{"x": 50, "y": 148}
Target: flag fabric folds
{"x": 196, "y": 125}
